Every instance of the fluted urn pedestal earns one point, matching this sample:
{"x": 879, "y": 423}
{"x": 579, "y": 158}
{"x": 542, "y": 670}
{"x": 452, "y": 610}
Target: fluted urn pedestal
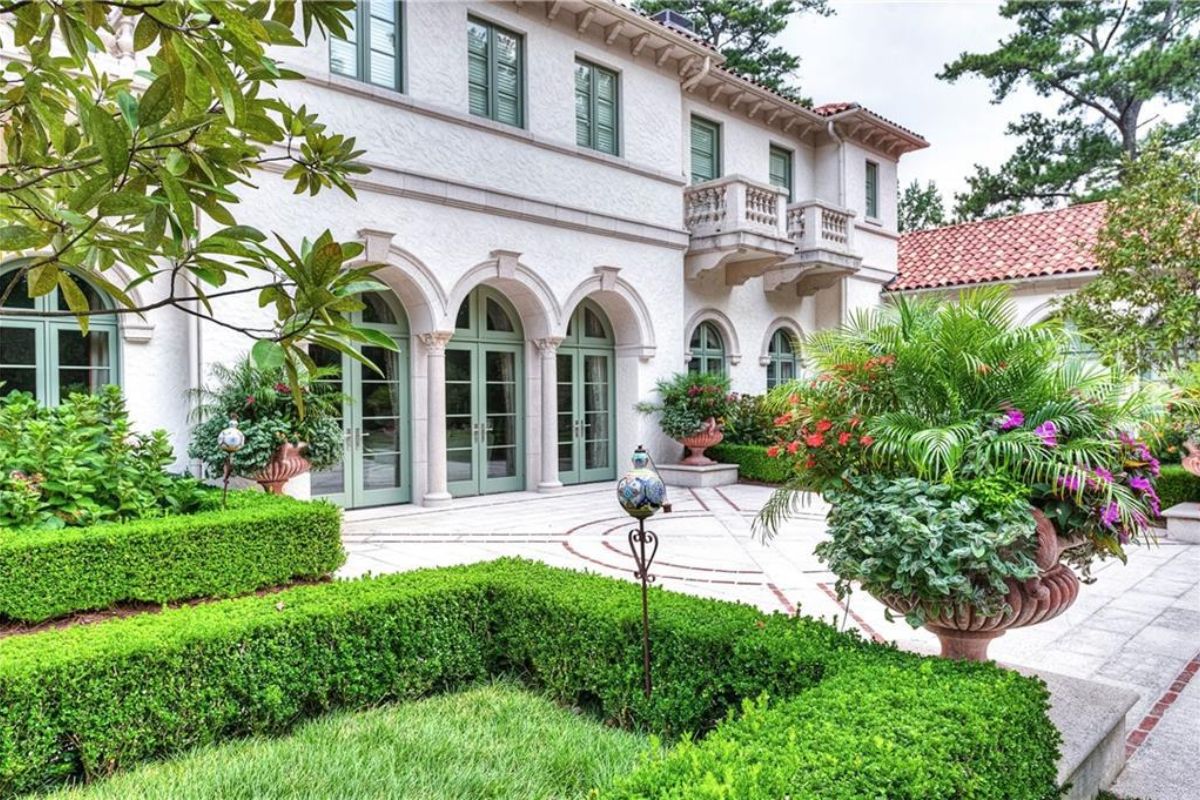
{"x": 709, "y": 435}
{"x": 287, "y": 463}
{"x": 965, "y": 633}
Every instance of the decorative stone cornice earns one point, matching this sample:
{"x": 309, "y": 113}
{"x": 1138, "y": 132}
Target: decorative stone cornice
{"x": 548, "y": 345}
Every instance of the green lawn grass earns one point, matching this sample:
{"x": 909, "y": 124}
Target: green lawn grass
{"x": 495, "y": 741}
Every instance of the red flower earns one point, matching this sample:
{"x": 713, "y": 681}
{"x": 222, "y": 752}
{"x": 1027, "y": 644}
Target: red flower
{"x": 249, "y": 399}
{"x": 824, "y": 425}
{"x": 810, "y": 462}
{"x": 773, "y": 451}
{"x": 865, "y": 441}
{"x": 794, "y": 399}
{"x": 784, "y": 418}
{"x": 815, "y": 440}
{"x": 844, "y": 438}
{"x": 792, "y": 448}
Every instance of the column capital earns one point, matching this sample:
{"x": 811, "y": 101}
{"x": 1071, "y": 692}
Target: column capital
{"x": 435, "y": 341}
{"x": 548, "y": 345}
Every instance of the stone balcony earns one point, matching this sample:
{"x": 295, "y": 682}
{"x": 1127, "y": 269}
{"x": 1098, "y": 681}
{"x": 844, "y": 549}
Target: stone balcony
{"x": 748, "y": 229}
{"x": 824, "y": 251}
{"x": 735, "y": 223}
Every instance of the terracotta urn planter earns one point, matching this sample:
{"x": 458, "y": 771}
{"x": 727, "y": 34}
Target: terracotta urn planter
{"x": 1191, "y": 462}
{"x": 708, "y": 436}
{"x": 965, "y": 633}
{"x": 287, "y": 463}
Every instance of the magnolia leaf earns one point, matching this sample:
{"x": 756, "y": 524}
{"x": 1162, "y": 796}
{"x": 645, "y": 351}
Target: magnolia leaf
{"x": 21, "y": 237}
{"x": 76, "y": 300}
{"x": 267, "y": 355}
{"x": 156, "y": 102}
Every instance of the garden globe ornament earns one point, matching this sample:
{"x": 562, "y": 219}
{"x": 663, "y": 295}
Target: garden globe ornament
{"x": 641, "y": 492}
{"x": 230, "y": 440}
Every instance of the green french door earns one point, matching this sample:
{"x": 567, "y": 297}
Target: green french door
{"x": 376, "y": 462}
{"x": 586, "y": 416}
{"x": 485, "y": 400}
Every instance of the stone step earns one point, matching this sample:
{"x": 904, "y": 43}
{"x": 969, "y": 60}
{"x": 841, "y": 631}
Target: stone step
{"x": 1183, "y": 523}
{"x": 1091, "y": 718}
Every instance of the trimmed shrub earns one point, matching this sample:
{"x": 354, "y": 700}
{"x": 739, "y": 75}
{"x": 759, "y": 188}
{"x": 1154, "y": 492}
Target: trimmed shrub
{"x": 753, "y": 462}
{"x": 918, "y": 731}
{"x": 84, "y": 701}
{"x": 1176, "y": 485}
{"x": 260, "y": 540}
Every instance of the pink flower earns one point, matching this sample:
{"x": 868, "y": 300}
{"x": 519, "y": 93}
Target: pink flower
{"x": 773, "y": 451}
{"x": 1048, "y": 433}
{"x": 1013, "y": 418}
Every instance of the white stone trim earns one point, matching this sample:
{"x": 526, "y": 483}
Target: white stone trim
{"x": 529, "y": 293}
{"x": 733, "y": 349}
{"x": 787, "y": 323}
{"x": 633, "y": 325}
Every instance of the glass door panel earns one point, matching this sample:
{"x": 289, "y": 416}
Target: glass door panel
{"x": 501, "y": 420}
{"x": 19, "y": 345}
{"x": 461, "y": 428}
{"x": 331, "y": 483}
{"x": 568, "y": 471}
{"x": 597, "y": 416}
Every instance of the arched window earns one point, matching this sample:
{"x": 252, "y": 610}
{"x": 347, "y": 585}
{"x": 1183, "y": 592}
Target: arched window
{"x": 51, "y": 357}
{"x": 708, "y": 350}
{"x": 783, "y": 363}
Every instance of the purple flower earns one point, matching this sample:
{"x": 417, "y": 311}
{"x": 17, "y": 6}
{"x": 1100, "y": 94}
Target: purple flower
{"x": 1123, "y": 536}
{"x": 1048, "y": 432}
{"x": 1143, "y": 485}
{"x": 1069, "y": 482}
{"x": 1104, "y": 474}
{"x": 1013, "y": 418}
{"x": 1110, "y": 515}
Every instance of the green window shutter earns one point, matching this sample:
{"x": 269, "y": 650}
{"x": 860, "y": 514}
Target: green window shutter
{"x": 872, "y": 189}
{"x": 606, "y": 111}
{"x": 371, "y": 50}
{"x": 494, "y": 73}
{"x": 706, "y": 149}
{"x": 781, "y": 169}
{"x": 477, "y": 68}
{"x": 583, "y": 104}
{"x": 596, "y": 108}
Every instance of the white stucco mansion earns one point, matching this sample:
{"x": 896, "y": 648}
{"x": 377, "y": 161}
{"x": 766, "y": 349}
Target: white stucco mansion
{"x": 573, "y": 201}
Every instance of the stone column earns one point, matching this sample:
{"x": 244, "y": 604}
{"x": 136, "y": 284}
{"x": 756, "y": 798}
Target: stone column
{"x": 435, "y": 376}
{"x": 548, "y": 348}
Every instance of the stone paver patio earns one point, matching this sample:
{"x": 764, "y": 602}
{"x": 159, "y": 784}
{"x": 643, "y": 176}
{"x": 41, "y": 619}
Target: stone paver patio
{"x": 1137, "y": 626}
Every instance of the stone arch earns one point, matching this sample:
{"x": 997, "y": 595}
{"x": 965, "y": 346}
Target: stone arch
{"x": 733, "y": 349}
{"x": 1041, "y": 312}
{"x": 632, "y": 325}
{"x": 409, "y": 278}
{"x": 540, "y": 313}
{"x": 788, "y": 324}
{"x": 132, "y": 327}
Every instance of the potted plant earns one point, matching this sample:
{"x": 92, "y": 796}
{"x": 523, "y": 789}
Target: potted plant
{"x": 969, "y": 464}
{"x": 282, "y": 440}
{"x": 691, "y": 410}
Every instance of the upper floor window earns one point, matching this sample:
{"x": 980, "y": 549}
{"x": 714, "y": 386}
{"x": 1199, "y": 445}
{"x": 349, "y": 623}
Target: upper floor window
{"x": 706, "y": 150}
{"x": 783, "y": 364}
{"x": 872, "y": 188}
{"x": 596, "y": 109}
{"x": 781, "y": 169}
{"x": 51, "y": 357}
{"x": 495, "y": 72}
{"x": 708, "y": 350}
{"x": 371, "y": 50}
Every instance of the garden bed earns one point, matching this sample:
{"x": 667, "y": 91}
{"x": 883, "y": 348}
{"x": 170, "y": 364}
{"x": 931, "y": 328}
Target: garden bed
{"x": 259, "y": 541}
{"x": 840, "y": 715}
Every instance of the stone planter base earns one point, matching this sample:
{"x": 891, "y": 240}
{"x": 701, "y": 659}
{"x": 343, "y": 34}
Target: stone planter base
{"x": 698, "y": 477}
{"x": 1183, "y": 523}
{"x": 287, "y": 463}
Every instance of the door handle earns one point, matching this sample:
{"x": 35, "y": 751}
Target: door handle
{"x": 358, "y": 435}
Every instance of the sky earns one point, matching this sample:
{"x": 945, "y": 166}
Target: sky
{"x": 885, "y": 54}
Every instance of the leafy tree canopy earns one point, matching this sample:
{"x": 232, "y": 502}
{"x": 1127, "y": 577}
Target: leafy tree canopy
{"x": 744, "y": 32}
{"x": 103, "y": 170}
{"x": 1143, "y": 310}
{"x": 920, "y": 208}
{"x": 1106, "y": 61}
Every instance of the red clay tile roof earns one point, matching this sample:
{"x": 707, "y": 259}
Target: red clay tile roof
{"x": 829, "y": 109}
{"x": 1022, "y": 246}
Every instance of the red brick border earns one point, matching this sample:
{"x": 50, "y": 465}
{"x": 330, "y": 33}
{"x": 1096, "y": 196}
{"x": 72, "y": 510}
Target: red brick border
{"x": 1137, "y": 736}
{"x": 862, "y": 623}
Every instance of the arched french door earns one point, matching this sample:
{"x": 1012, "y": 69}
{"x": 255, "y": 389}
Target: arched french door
{"x": 586, "y": 416}
{"x": 485, "y": 403}
{"x": 376, "y": 465}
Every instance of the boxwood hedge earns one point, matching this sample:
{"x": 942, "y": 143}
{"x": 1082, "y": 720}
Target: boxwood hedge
{"x": 753, "y": 462}
{"x": 1176, "y": 485}
{"x": 83, "y": 701}
{"x": 259, "y": 540}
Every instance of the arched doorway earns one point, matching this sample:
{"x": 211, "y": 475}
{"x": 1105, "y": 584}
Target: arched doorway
{"x": 375, "y": 468}
{"x": 485, "y": 403}
{"x": 586, "y": 417}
